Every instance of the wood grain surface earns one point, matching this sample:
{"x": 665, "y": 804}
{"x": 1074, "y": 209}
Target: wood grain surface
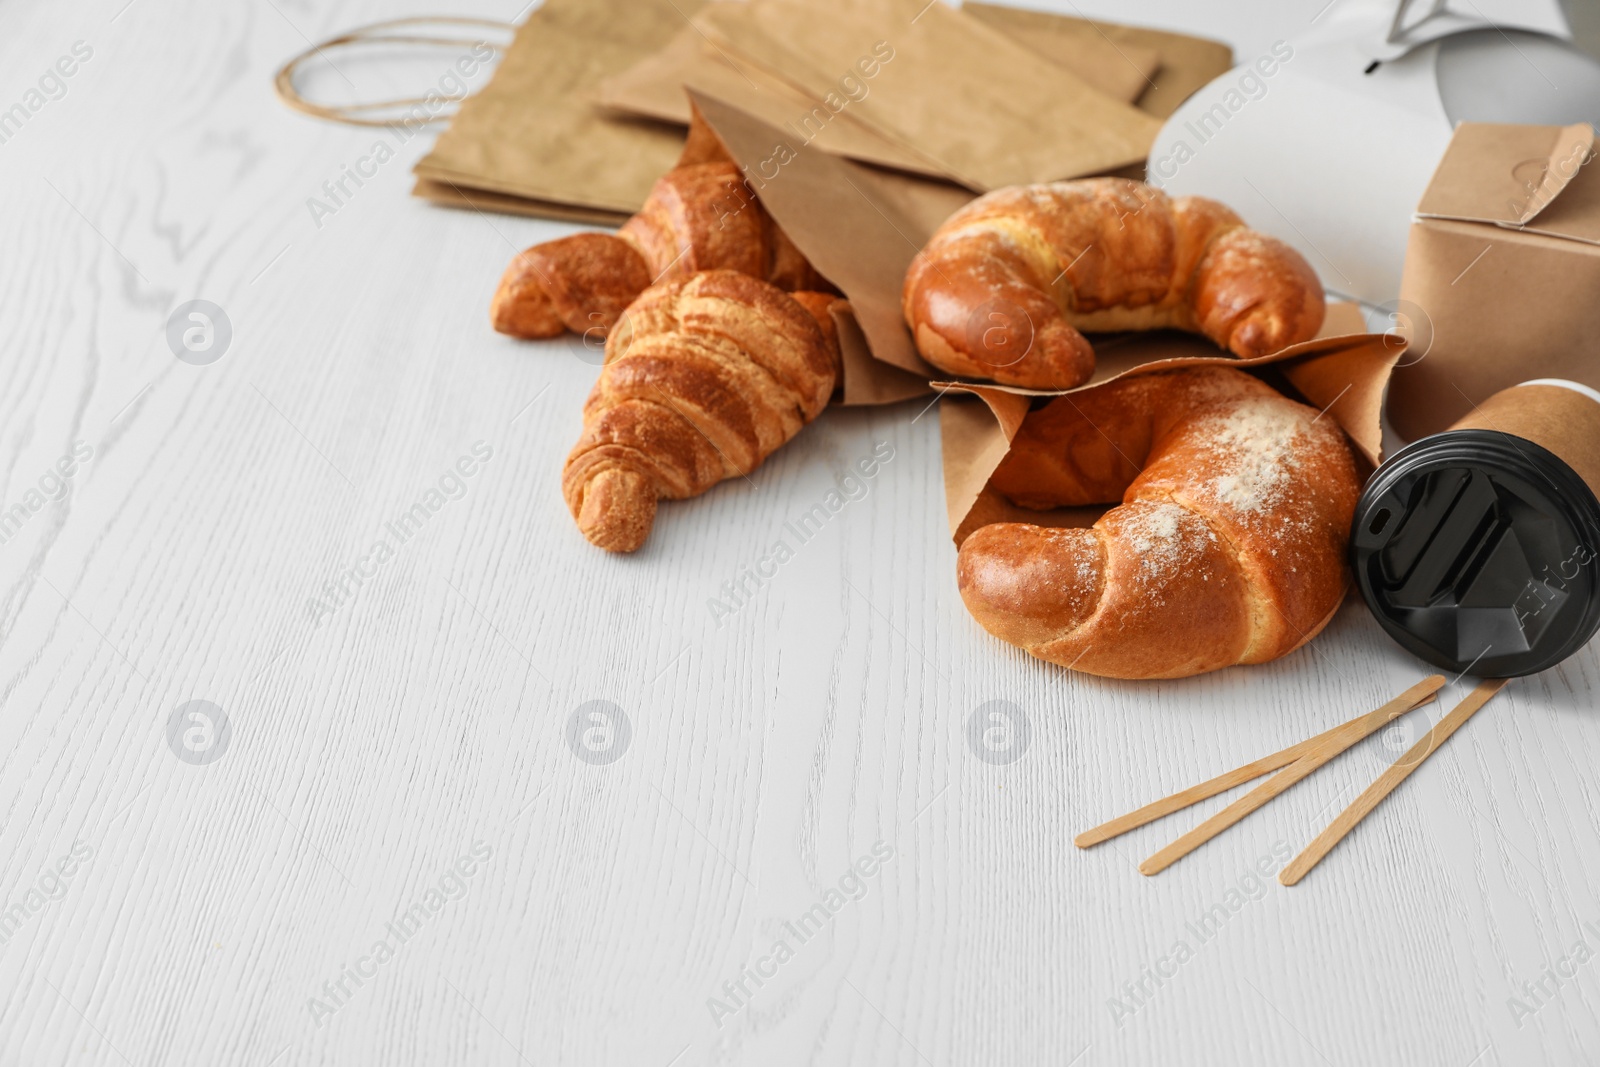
{"x": 400, "y": 762}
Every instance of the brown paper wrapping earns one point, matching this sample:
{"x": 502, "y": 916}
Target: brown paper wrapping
{"x": 867, "y": 381}
{"x": 533, "y": 142}
{"x": 1122, "y": 71}
{"x": 1501, "y": 272}
{"x": 653, "y": 87}
{"x": 1187, "y": 63}
{"x": 1342, "y": 371}
{"x": 452, "y": 194}
{"x": 1558, "y": 419}
{"x": 532, "y": 132}
{"x": 985, "y": 110}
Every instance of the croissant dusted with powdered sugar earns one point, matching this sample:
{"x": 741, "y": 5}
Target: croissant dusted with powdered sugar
{"x": 699, "y": 216}
{"x": 1004, "y": 286}
{"x": 1228, "y": 547}
{"x": 704, "y": 378}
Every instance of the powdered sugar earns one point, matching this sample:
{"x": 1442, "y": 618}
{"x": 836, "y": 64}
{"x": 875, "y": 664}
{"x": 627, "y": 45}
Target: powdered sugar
{"x": 1259, "y": 436}
{"x": 1168, "y": 540}
{"x": 1157, "y": 532}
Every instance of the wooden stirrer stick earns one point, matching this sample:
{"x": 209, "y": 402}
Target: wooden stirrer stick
{"x": 1327, "y": 746}
{"x": 1386, "y": 782}
{"x": 1158, "y": 809}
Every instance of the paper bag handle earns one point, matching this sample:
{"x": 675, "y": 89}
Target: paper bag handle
{"x": 353, "y": 114}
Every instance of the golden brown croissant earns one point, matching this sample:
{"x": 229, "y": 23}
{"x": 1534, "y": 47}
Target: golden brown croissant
{"x": 704, "y": 378}
{"x": 1229, "y": 545}
{"x": 699, "y": 216}
{"x": 1004, "y": 286}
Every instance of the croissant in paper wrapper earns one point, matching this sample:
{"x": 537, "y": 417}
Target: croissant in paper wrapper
{"x": 1004, "y": 287}
{"x": 1228, "y": 547}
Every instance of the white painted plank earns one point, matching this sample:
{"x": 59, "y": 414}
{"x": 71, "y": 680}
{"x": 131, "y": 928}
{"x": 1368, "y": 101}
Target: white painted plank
{"x": 429, "y": 710}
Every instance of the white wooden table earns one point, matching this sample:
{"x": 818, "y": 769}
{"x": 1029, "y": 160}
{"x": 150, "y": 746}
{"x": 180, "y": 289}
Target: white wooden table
{"x": 398, "y": 747}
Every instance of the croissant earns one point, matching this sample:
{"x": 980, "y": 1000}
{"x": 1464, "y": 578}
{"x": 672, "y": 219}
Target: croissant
{"x": 699, "y": 216}
{"x": 704, "y": 378}
{"x": 1228, "y": 547}
{"x": 1004, "y": 286}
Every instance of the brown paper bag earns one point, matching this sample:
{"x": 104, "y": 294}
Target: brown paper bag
{"x": 1122, "y": 71}
{"x": 1343, "y": 372}
{"x": 533, "y": 143}
{"x": 868, "y": 381}
{"x": 653, "y": 87}
{"x": 1153, "y": 69}
{"x": 983, "y": 108}
{"x": 453, "y": 194}
{"x": 532, "y": 131}
{"x": 1187, "y": 63}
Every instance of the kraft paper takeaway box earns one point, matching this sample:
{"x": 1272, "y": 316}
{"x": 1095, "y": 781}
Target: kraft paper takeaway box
{"x": 1502, "y": 274}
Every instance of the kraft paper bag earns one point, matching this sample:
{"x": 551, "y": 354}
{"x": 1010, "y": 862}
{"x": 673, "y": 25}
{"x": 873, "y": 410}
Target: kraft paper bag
{"x": 453, "y": 194}
{"x": 1501, "y": 274}
{"x": 533, "y": 142}
{"x": 1187, "y": 63}
{"x": 532, "y": 132}
{"x": 1344, "y": 372}
{"x": 867, "y": 381}
{"x": 1122, "y": 71}
{"x": 654, "y": 87}
{"x": 983, "y": 109}
{"x": 1154, "y": 69}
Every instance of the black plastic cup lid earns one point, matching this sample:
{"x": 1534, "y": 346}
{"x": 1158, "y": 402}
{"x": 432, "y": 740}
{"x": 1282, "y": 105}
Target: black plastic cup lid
{"x": 1477, "y": 551}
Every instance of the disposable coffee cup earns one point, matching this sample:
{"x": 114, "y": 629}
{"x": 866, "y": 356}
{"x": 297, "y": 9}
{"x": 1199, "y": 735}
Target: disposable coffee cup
{"x": 1476, "y": 548}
